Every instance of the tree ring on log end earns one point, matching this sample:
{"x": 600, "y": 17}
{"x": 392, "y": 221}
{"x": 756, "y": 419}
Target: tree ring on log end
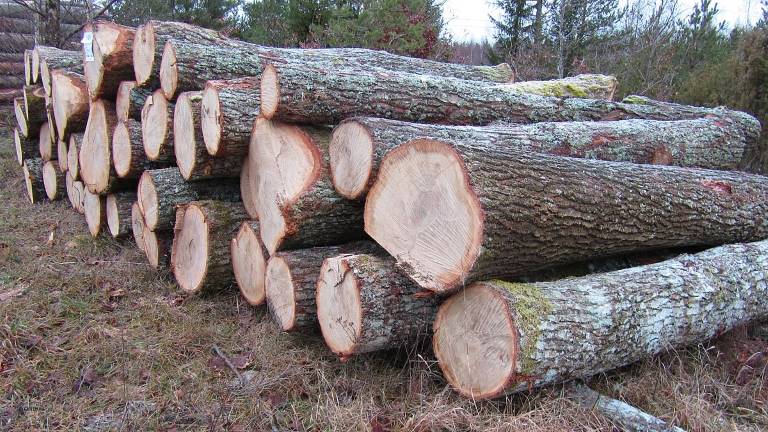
{"x": 45, "y": 77}
{"x": 476, "y": 342}
{"x": 73, "y": 157}
{"x": 154, "y": 124}
{"x": 144, "y": 53}
{"x": 94, "y": 70}
{"x": 95, "y": 158}
{"x": 280, "y": 293}
{"x": 184, "y": 140}
{"x": 169, "y": 75}
{"x": 421, "y": 207}
{"x": 21, "y": 117}
{"x": 152, "y": 248}
{"x": 148, "y": 199}
{"x": 123, "y": 99}
{"x": 28, "y": 184}
{"x": 248, "y": 264}
{"x": 113, "y": 216}
{"x": 93, "y": 209}
{"x": 210, "y": 121}
{"x": 137, "y": 226}
{"x": 50, "y": 182}
{"x": 17, "y": 143}
{"x": 121, "y": 149}
{"x": 339, "y": 306}
{"x": 190, "y": 249}
{"x": 270, "y": 91}
{"x": 351, "y": 155}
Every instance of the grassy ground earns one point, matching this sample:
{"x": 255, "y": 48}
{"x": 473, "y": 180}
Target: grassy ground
{"x": 92, "y": 339}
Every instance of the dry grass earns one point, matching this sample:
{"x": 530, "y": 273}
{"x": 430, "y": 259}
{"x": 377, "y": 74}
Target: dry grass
{"x": 98, "y": 341}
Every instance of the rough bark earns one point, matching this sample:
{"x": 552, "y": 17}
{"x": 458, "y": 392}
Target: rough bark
{"x": 25, "y": 147}
{"x": 161, "y": 190}
{"x": 359, "y": 144}
{"x": 191, "y": 155}
{"x": 462, "y": 212}
{"x": 249, "y": 261}
{"x": 11, "y": 82}
{"x": 46, "y": 59}
{"x": 69, "y": 97}
{"x": 27, "y": 26}
{"x": 96, "y": 169}
{"x": 112, "y": 58}
{"x": 33, "y": 179}
{"x": 73, "y": 155}
{"x": 11, "y": 67}
{"x": 138, "y": 227}
{"x": 157, "y": 128}
{"x": 228, "y": 111}
{"x": 54, "y": 181}
{"x": 548, "y": 332}
{"x": 45, "y": 141}
{"x": 128, "y": 156}
{"x": 118, "y": 209}
{"x": 95, "y": 210}
{"x": 364, "y": 304}
{"x": 62, "y": 153}
{"x": 157, "y": 248}
{"x": 17, "y": 42}
{"x": 130, "y": 100}
{"x": 302, "y": 209}
{"x": 200, "y": 255}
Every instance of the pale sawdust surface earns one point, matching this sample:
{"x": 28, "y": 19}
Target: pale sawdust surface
{"x": 93, "y": 339}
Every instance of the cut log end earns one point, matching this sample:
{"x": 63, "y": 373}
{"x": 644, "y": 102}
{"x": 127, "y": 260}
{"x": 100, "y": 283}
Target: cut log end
{"x": 144, "y": 53}
{"x": 21, "y": 116}
{"x": 270, "y": 91}
{"x": 45, "y": 77}
{"x": 70, "y": 99}
{"x": 123, "y": 99}
{"x": 210, "y": 121}
{"x": 62, "y": 153}
{"x": 32, "y": 171}
{"x": 476, "y": 343}
{"x": 169, "y": 75}
{"x": 338, "y": 300}
{"x": 428, "y": 180}
{"x": 137, "y": 226}
{"x": 121, "y": 150}
{"x": 184, "y": 139}
{"x": 18, "y": 144}
{"x": 154, "y": 124}
{"x": 45, "y": 142}
{"x": 95, "y": 157}
{"x": 113, "y": 215}
{"x": 189, "y": 259}
{"x": 351, "y": 155}
{"x": 73, "y": 155}
{"x": 156, "y": 248}
{"x": 95, "y": 216}
{"x": 248, "y": 263}
{"x": 280, "y": 290}
{"x": 148, "y": 199}
{"x": 53, "y": 181}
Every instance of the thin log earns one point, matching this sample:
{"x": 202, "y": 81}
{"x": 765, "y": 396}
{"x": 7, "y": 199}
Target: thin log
{"x": 26, "y": 25}
{"x": 130, "y": 100}
{"x": 27, "y": 60}
{"x": 11, "y": 82}
{"x": 34, "y": 99}
{"x": 71, "y": 104}
{"x": 29, "y": 124}
{"x": 191, "y": 155}
{"x": 62, "y": 154}
{"x": 301, "y": 209}
{"x": 157, "y": 128}
{"x": 138, "y": 227}
{"x": 118, "y": 208}
{"x": 128, "y": 156}
{"x": 94, "y": 207}
{"x": 359, "y": 144}
{"x": 161, "y": 190}
{"x": 200, "y": 255}
{"x": 157, "y": 248}
{"x": 112, "y": 58}
{"x": 25, "y": 147}
{"x": 46, "y": 59}
{"x": 73, "y": 155}
{"x": 549, "y": 332}
{"x": 228, "y": 111}
{"x": 74, "y": 192}
{"x": 96, "y": 167}
{"x": 364, "y": 304}
{"x": 45, "y": 142}
{"x": 249, "y": 261}
{"x": 17, "y": 42}
{"x": 33, "y": 179}
{"x": 54, "y": 181}
{"x": 453, "y": 213}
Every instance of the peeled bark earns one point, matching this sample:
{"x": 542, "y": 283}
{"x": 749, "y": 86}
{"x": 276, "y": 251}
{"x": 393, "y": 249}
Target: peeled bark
{"x": 45, "y": 59}
{"x": 461, "y": 212}
{"x": 118, "y": 208}
{"x": 33, "y": 179}
{"x": 130, "y": 100}
{"x": 54, "y": 181}
{"x": 191, "y": 155}
{"x": 359, "y": 144}
{"x": 200, "y": 255}
{"x": 157, "y": 128}
{"x": 62, "y": 154}
{"x": 291, "y": 190}
{"x": 128, "y": 156}
{"x": 45, "y": 142}
{"x": 73, "y": 155}
{"x": 544, "y": 333}
{"x": 75, "y": 193}
{"x": 95, "y": 210}
{"x": 25, "y": 147}
{"x": 112, "y": 58}
{"x": 157, "y": 248}
{"x": 249, "y": 261}
{"x": 161, "y": 190}
{"x": 364, "y": 304}
{"x": 228, "y": 111}
{"x": 138, "y": 227}
{"x": 96, "y": 167}
{"x": 69, "y": 97}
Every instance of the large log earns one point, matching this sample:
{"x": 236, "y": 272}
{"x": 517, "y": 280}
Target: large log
{"x": 191, "y": 155}
{"x": 161, "y": 190}
{"x": 33, "y": 179}
{"x": 249, "y": 261}
{"x": 96, "y": 169}
{"x": 291, "y": 189}
{"x": 54, "y": 181}
{"x": 70, "y": 101}
{"x": 157, "y": 128}
{"x": 73, "y": 155}
{"x": 200, "y": 255}
{"x": 128, "y": 156}
{"x": 45, "y": 142}
{"x": 95, "y": 212}
{"x": 157, "y": 247}
{"x": 138, "y": 227}
{"x": 359, "y": 144}
{"x": 130, "y": 100}
{"x": 548, "y": 332}
{"x": 228, "y": 111}
{"x": 453, "y": 213}
{"x": 118, "y": 209}
{"x": 47, "y": 59}
{"x": 112, "y": 58}
{"x": 364, "y": 304}
{"x": 25, "y": 147}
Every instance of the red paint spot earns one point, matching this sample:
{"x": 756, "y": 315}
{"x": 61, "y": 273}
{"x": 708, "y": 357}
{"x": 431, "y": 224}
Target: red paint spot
{"x": 424, "y": 294}
{"x": 562, "y": 150}
{"x": 717, "y": 186}
{"x": 661, "y": 156}
{"x": 601, "y": 140}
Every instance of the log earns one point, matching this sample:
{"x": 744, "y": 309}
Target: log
{"x": 70, "y": 100}
{"x": 128, "y": 156}
{"x": 27, "y": 60}
{"x": 47, "y": 59}
{"x": 45, "y": 142}
{"x": 96, "y": 168}
{"x": 11, "y": 68}
{"x": 25, "y": 147}
{"x": 161, "y": 190}
{"x": 26, "y": 25}
{"x": 34, "y": 100}
{"x": 364, "y": 304}
{"x": 95, "y": 210}
{"x": 73, "y": 155}
{"x": 54, "y": 181}
{"x": 11, "y": 82}
{"x": 118, "y": 209}
{"x": 453, "y": 213}
{"x": 29, "y": 125}
{"x": 228, "y": 111}
{"x": 112, "y": 58}
{"x": 191, "y": 155}
{"x": 73, "y": 193}
{"x": 130, "y": 100}
{"x": 249, "y": 261}
{"x": 33, "y": 179}
{"x": 70, "y": 14}
{"x": 149, "y": 42}
{"x": 13, "y": 42}
{"x": 158, "y": 248}
{"x": 359, "y": 144}
{"x": 157, "y": 128}
{"x": 138, "y": 227}
{"x": 62, "y": 154}
{"x": 200, "y": 254}
{"x": 548, "y": 332}
{"x": 291, "y": 188}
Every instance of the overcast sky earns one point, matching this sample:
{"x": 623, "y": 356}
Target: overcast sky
{"x": 468, "y": 19}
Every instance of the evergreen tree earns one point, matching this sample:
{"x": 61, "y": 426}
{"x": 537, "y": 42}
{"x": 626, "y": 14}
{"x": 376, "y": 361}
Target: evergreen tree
{"x": 515, "y": 28}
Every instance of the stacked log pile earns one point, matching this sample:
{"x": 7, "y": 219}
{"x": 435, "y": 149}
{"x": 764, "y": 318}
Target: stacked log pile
{"x": 435, "y": 192}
